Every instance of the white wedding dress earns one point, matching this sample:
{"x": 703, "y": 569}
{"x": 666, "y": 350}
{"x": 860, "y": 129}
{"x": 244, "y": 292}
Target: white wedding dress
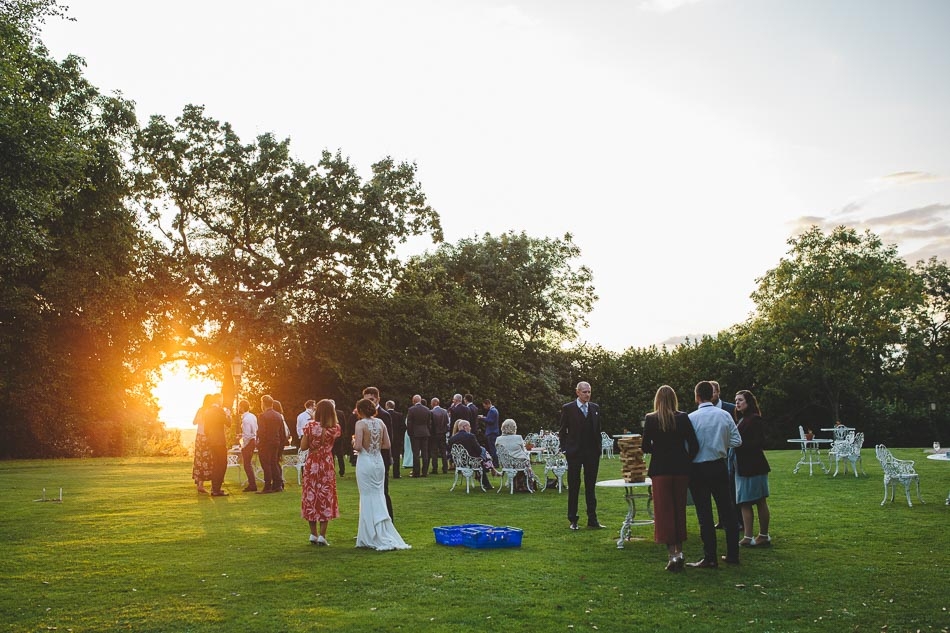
{"x": 376, "y": 529}
{"x": 407, "y": 452}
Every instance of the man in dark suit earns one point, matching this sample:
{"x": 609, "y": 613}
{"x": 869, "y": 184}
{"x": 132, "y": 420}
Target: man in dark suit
{"x": 458, "y": 411}
{"x": 372, "y": 393}
{"x": 399, "y": 441}
{"x": 728, "y": 407}
{"x": 343, "y": 445}
{"x": 470, "y": 442}
{"x": 418, "y": 425}
{"x": 469, "y": 401}
{"x": 581, "y": 443}
{"x": 216, "y": 425}
{"x": 271, "y": 438}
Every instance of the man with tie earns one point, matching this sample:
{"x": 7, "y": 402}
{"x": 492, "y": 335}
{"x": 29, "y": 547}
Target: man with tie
{"x": 580, "y": 441}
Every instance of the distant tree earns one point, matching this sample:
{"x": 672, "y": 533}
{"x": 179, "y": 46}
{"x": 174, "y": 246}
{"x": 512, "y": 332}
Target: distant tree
{"x": 529, "y": 285}
{"x": 261, "y": 242}
{"x": 832, "y": 315}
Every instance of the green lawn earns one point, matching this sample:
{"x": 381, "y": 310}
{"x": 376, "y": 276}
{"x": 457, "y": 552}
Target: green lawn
{"x": 133, "y": 547}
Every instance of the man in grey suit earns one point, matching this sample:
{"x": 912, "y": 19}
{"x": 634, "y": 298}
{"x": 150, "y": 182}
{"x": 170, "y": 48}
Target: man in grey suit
{"x": 418, "y": 425}
{"x": 580, "y": 441}
{"x": 440, "y": 432}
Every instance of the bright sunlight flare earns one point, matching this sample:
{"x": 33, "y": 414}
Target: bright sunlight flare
{"x": 179, "y": 394}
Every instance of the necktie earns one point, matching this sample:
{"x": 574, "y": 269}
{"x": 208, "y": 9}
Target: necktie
{"x": 584, "y": 409}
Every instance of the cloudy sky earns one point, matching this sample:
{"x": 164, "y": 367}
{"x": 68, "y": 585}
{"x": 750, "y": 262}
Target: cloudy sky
{"x": 680, "y": 142}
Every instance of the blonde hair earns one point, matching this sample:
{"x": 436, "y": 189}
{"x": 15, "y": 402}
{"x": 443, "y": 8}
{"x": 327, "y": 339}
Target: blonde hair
{"x": 665, "y": 405}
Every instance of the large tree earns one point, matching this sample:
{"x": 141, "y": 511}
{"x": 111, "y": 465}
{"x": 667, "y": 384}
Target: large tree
{"x": 73, "y": 259}
{"x": 832, "y": 315}
{"x": 262, "y": 242}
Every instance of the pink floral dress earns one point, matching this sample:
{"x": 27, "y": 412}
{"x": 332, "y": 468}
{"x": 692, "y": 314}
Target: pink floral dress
{"x": 318, "y": 498}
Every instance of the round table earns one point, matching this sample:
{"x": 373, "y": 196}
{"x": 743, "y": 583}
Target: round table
{"x": 632, "y": 490}
{"x": 811, "y": 454}
{"x": 941, "y": 457}
{"x": 235, "y": 461}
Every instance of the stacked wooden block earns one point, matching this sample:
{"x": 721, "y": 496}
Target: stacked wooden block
{"x": 631, "y": 458}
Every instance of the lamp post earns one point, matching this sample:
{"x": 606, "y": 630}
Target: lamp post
{"x": 933, "y": 423}
{"x": 237, "y": 368}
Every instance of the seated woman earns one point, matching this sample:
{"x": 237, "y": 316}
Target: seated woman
{"x": 514, "y": 443}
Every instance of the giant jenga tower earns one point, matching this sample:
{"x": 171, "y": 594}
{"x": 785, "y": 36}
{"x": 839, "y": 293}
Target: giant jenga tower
{"x": 631, "y": 458}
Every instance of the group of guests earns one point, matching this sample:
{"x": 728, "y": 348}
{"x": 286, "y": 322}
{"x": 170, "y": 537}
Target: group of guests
{"x": 429, "y": 430}
{"x": 717, "y": 454}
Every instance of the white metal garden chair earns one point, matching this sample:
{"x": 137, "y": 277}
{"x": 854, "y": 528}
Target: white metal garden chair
{"x": 466, "y": 466}
{"x": 554, "y": 461}
{"x": 606, "y": 445}
{"x": 848, "y": 450}
{"x": 897, "y": 471}
{"x": 510, "y": 466}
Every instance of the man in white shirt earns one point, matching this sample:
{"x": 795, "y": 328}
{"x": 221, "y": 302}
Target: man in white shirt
{"x": 248, "y": 443}
{"x": 304, "y": 418}
{"x": 709, "y": 477}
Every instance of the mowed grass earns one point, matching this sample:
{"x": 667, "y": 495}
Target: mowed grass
{"x": 133, "y": 547}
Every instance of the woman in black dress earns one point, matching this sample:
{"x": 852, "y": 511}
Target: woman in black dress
{"x": 669, "y": 437}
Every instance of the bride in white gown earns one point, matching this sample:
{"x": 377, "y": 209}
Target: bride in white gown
{"x": 376, "y": 529}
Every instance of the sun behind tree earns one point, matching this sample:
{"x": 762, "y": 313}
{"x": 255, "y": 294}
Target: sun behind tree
{"x": 179, "y": 392}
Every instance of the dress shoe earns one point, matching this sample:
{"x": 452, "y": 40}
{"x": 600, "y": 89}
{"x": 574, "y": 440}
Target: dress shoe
{"x": 574, "y": 526}
{"x": 720, "y": 526}
{"x": 265, "y": 491}
{"x": 596, "y": 526}
{"x": 322, "y": 541}
{"x": 219, "y": 493}
{"x": 704, "y": 564}
{"x": 250, "y": 489}
{"x": 314, "y": 539}
{"x": 679, "y": 562}
{"x": 672, "y": 566}
{"x": 730, "y": 561}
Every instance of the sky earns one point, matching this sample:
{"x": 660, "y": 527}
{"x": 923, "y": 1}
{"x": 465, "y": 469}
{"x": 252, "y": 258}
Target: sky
{"x": 680, "y": 142}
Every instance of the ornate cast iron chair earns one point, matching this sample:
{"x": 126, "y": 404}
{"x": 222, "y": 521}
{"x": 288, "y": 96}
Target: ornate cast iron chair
{"x": 511, "y": 466}
{"x": 606, "y": 445}
{"x": 554, "y": 460}
{"x": 466, "y": 466}
{"x": 848, "y": 450}
{"x": 897, "y": 471}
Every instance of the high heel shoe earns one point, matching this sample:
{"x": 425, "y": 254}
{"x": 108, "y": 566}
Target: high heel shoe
{"x": 746, "y": 541}
{"x": 762, "y": 540}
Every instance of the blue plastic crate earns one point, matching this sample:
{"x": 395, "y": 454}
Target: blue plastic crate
{"x": 452, "y": 534}
{"x": 496, "y": 537}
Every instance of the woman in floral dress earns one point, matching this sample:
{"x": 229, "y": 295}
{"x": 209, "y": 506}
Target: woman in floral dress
{"x": 201, "y": 470}
{"x": 318, "y": 502}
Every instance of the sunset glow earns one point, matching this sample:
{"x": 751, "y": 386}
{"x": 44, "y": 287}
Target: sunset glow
{"x": 179, "y": 394}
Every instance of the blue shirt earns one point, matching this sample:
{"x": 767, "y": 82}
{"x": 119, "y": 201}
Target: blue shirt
{"x": 716, "y": 432}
